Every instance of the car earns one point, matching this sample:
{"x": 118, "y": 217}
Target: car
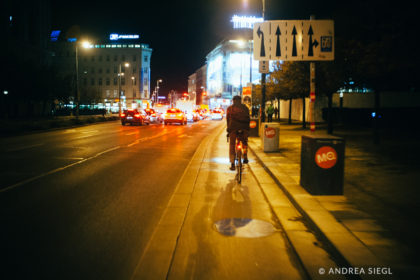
{"x": 217, "y": 114}
{"x": 175, "y": 115}
{"x": 134, "y": 116}
{"x": 192, "y": 116}
{"x": 152, "y": 114}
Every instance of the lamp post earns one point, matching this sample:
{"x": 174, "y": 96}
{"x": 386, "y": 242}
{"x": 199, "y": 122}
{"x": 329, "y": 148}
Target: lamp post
{"x": 119, "y": 85}
{"x": 85, "y": 45}
{"x": 157, "y": 90}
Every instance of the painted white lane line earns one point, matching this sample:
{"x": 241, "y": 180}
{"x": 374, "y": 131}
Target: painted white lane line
{"x": 80, "y": 161}
{"x": 132, "y": 133}
{"x": 57, "y": 170}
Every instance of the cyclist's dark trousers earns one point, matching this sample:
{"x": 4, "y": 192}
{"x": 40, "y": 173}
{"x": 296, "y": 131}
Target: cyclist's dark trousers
{"x": 270, "y": 118}
{"x": 232, "y": 142}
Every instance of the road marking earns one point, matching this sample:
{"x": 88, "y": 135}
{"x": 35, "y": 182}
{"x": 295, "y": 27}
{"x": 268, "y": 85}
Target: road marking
{"x": 24, "y": 147}
{"x": 80, "y": 161}
{"x": 57, "y": 170}
{"x": 132, "y": 133}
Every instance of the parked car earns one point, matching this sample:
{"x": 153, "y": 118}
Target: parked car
{"x": 134, "y": 116}
{"x": 175, "y": 115}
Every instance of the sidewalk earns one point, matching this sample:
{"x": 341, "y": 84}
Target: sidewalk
{"x": 359, "y": 238}
{"x": 267, "y": 228}
{"x": 216, "y": 229}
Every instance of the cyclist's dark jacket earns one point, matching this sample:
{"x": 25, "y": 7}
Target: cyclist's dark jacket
{"x": 237, "y": 117}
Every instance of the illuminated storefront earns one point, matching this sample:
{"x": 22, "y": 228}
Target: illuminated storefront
{"x": 230, "y": 66}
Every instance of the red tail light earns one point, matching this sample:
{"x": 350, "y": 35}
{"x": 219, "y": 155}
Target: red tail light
{"x": 239, "y": 146}
{"x": 137, "y": 115}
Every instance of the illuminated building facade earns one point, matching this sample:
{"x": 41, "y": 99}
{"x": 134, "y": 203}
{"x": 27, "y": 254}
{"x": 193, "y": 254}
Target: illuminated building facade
{"x": 230, "y": 65}
{"x": 103, "y": 71}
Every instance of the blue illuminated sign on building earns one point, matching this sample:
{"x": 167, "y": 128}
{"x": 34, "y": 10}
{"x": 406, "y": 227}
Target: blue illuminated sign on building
{"x": 115, "y": 36}
{"x": 54, "y": 35}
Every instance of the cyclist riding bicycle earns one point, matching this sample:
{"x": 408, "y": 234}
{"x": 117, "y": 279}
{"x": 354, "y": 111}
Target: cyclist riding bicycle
{"x": 237, "y": 117}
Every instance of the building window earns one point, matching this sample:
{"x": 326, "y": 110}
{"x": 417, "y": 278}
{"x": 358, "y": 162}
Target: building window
{"x": 122, "y": 57}
{"x": 134, "y": 69}
{"x": 92, "y": 70}
{"x": 134, "y": 82}
{"x": 92, "y": 58}
{"x": 145, "y": 82}
{"x": 115, "y": 57}
{"x": 146, "y": 58}
{"x": 107, "y": 57}
{"x": 100, "y": 81}
{"x": 92, "y": 81}
{"x": 108, "y": 93}
{"x": 108, "y": 81}
{"x": 115, "y": 92}
{"x": 115, "y": 69}
{"x": 107, "y": 70}
{"x": 115, "y": 81}
{"x": 100, "y": 70}
{"x": 134, "y": 92}
{"x": 134, "y": 57}
{"x": 100, "y": 58}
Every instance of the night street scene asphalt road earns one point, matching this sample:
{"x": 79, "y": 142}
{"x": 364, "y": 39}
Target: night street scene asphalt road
{"x": 114, "y": 147}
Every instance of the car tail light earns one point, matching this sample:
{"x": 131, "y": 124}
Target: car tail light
{"x": 137, "y": 115}
{"x": 153, "y": 115}
{"x": 122, "y": 115}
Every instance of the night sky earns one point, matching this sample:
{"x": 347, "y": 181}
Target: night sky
{"x": 181, "y": 33}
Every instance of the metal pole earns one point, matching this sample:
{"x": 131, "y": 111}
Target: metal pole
{"x": 263, "y": 82}
{"x": 77, "y": 82}
{"x": 119, "y": 89}
{"x": 312, "y": 92}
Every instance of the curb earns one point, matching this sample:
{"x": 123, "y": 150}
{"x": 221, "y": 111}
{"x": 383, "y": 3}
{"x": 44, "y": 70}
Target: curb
{"x": 349, "y": 251}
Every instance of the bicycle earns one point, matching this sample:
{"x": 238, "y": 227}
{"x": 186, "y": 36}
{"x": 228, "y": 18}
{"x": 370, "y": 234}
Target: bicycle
{"x": 238, "y": 156}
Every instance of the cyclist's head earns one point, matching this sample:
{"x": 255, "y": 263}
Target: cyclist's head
{"x": 236, "y": 100}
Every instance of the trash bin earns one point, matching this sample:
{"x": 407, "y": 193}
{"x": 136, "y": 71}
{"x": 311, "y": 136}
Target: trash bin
{"x": 254, "y": 127}
{"x": 270, "y": 133}
{"x": 322, "y": 164}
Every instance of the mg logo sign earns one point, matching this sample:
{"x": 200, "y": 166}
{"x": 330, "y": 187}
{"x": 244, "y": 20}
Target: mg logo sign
{"x": 270, "y": 132}
{"x": 326, "y": 157}
{"x": 252, "y": 124}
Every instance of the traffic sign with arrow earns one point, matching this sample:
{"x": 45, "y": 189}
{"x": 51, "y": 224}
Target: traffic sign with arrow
{"x": 295, "y": 40}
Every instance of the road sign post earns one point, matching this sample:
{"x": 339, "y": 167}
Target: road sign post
{"x": 295, "y": 40}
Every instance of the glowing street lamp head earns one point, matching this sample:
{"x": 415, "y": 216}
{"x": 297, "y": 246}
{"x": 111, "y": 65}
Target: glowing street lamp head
{"x": 127, "y": 64}
{"x": 86, "y": 45}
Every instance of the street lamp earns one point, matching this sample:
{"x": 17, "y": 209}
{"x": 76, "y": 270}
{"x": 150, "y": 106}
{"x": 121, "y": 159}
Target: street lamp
{"x": 86, "y": 45}
{"x": 119, "y": 85}
{"x": 157, "y": 90}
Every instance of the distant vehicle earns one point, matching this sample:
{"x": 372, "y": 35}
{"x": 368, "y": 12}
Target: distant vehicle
{"x": 193, "y": 116}
{"x": 152, "y": 114}
{"x": 217, "y": 114}
{"x": 134, "y": 116}
{"x": 175, "y": 115}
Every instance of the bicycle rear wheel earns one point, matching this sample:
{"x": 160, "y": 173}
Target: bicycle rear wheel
{"x": 239, "y": 167}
